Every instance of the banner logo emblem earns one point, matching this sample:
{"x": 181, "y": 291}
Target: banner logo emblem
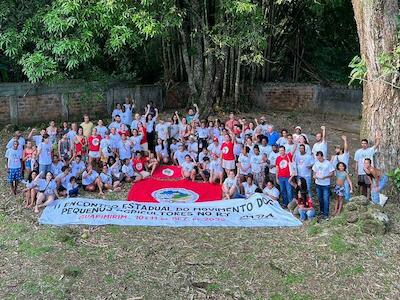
{"x": 175, "y": 195}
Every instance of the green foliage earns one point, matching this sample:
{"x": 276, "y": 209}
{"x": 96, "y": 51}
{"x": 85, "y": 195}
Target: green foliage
{"x": 67, "y": 35}
{"x": 359, "y": 69}
{"x": 395, "y": 177}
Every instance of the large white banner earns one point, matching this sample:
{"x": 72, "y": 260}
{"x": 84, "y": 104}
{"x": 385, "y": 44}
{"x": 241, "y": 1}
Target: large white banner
{"x": 257, "y": 211}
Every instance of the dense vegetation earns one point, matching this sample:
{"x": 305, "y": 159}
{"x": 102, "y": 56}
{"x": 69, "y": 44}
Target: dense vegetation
{"x": 216, "y": 46}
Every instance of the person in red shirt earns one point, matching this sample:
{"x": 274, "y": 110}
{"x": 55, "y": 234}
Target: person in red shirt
{"x": 283, "y": 174}
{"x": 94, "y": 147}
{"x": 227, "y": 154}
{"x": 139, "y": 164}
{"x": 304, "y": 202}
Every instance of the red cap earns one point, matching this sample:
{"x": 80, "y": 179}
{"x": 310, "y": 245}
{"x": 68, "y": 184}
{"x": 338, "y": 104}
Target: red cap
{"x": 215, "y": 139}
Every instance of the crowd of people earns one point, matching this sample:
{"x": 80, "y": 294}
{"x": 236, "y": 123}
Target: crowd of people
{"x": 244, "y": 156}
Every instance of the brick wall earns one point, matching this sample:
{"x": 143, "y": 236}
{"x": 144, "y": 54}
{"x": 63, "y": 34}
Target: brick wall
{"x": 284, "y": 96}
{"x": 308, "y": 97}
{"x": 5, "y": 110}
{"x": 23, "y": 103}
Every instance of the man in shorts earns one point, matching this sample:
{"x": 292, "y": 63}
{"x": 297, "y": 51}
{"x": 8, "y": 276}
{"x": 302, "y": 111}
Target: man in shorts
{"x": 364, "y": 182}
{"x": 14, "y": 166}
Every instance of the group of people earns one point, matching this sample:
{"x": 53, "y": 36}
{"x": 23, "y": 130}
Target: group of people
{"x": 244, "y": 156}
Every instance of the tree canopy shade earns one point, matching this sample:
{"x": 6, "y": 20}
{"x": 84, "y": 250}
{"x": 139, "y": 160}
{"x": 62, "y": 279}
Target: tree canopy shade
{"x": 287, "y": 40}
{"x": 59, "y": 39}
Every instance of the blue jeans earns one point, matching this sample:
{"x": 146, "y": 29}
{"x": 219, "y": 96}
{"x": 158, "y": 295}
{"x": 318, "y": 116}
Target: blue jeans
{"x": 308, "y": 181}
{"x": 286, "y": 190}
{"x": 306, "y": 214}
{"x": 323, "y": 194}
{"x": 382, "y": 183}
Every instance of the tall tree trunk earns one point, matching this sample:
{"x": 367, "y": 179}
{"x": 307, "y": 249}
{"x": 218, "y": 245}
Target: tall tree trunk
{"x": 237, "y": 79}
{"x": 186, "y": 60}
{"x": 225, "y": 82}
{"x": 377, "y": 31}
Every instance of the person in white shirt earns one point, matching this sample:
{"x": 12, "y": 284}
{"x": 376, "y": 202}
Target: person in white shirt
{"x": 106, "y": 177}
{"x": 257, "y": 167}
{"x": 62, "y": 180}
{"x": 364, "y": 182}
{"x": 188, "y": 170}
{"x": 128, "y": 171}
{"x": 229, "y": 187}
{"x": 47, "y": 191}
{"x": 125, "y": 148}
{"x": 243, "y": 164}
{"x": 249, "y": 187}
{"x": 162, "y": 129}
{"x": 320, "y": 144}
{"x": 14, "y": 166}
{"x": 214, "y": 147}
{"x": 264, "y": 147}
{"x": 179, "y": 156}
{"x": 56, "y": 165}
{"x": 282, "y": 141}
{"x": 116, "y": 124}
{"x": 323, "y": 171}
{"x": 298, "y": 133}
{"x": 21, "y": 141}
{"x": 91, "y": 180}
{"x": 216, "y": 170}
{"x": 270, "y": 191}
{"x": 272, "y": 163}
{"x": 304, "y": 163}
{"x": 117, "y": 110}
{"x": 193, "y": 146}
{"x": 101, "y": 129}
{"x": 161, "y": 151}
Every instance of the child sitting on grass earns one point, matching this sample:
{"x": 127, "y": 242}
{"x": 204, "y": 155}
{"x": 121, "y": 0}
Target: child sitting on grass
{"x": 73, "y": 187}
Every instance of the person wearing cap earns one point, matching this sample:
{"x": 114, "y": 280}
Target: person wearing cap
{"x": 323, "y": 171}
{"x": 297, "y": 133}
{"x": 342, "y": 155}
{"x": 214, "y": 148}
{"x": 320, "y": 144}
{"x": 216, "y": 170}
